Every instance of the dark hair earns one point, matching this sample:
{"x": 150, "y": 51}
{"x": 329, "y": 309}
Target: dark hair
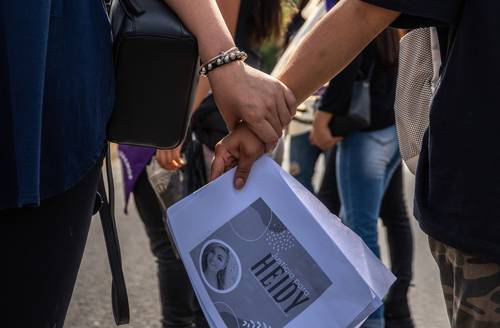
{"x": 302, "y": 4}
{"x": 266, "y": 18}
{"x": 295, "y": 23}
{"x": 221, "y": 275}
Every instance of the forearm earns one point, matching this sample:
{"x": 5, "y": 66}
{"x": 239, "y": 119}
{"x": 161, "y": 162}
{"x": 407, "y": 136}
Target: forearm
{"x": 230, "y": 10}
{"x": 242, "y": 93}
{"x": 337, "y": 39}
{"x": 204, "y": 20}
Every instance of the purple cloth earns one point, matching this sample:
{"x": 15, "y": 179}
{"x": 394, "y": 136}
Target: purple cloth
{"x": 134, "y": 160}
{"x": 330, "y": 4}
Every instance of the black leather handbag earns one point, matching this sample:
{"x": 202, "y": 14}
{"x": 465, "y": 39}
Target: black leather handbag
{"x": 156, "y": 64}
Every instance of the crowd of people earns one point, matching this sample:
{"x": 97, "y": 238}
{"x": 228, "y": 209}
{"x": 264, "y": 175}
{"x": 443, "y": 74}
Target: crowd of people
{"x": 57, "y": 92}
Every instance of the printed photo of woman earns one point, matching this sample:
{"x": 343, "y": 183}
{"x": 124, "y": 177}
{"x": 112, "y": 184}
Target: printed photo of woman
{"x": 220, "y": 266}
{"x": 214, "y": 264}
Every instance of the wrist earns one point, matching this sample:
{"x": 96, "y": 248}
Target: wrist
{"x": 223, "y": 58}
{"x": 212, "y": 49}
{"x": 222, "y": 72}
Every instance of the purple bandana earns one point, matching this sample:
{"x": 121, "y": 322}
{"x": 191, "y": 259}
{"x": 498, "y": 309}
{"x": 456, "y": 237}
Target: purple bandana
{"x": 134, "y": 160}
{"x": 330, "y": 4}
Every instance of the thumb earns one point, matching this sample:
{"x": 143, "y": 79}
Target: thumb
{"x": 245, "y": 163}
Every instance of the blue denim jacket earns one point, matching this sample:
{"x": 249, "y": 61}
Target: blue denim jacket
{"x": 56, "y": 95}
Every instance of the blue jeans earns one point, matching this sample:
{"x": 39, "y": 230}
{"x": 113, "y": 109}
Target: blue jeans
{"x": 365, "y": 164}
{"x": 303, "y": 157}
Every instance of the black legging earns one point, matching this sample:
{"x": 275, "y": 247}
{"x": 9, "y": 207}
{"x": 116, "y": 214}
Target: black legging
{"x": 399, "y": 236}
{"x": 179, "y": 305}
{"x": 41, "y": 249}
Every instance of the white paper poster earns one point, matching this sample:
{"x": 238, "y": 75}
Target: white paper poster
{"x": 272, "y": 256}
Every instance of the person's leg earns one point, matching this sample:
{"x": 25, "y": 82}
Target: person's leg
{"x": 179, "y": 306}
{"x": 364, "y": 162}
{"x": 41, "y": 249}
{"x": 328, "y": 192}
{"x": 303, "y": 158}
{"x": 471, "y": 287}
{"x": 399, "y": 237}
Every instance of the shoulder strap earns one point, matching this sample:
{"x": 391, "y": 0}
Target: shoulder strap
{"x": 119, "y": 296}
{"x": 452, "y": 35}
{"x": 436, "y": 57}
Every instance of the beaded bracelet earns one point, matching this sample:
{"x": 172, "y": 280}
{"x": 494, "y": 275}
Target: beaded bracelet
{"x": 223, "y": 58}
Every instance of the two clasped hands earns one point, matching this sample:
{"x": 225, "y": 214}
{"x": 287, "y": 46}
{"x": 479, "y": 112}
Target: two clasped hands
{"x": 256, "y": 106}
{"x": 256, "y": 110}
{"x": 256, "y": 118}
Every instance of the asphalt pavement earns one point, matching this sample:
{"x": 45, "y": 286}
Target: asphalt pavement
{"x": 91, "y": 303}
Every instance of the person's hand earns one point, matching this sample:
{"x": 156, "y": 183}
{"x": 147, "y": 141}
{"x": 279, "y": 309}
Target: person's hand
{"x": 170, "y": 159}
{"x": 321, "y": 136}
{"x": 240, "y": 148}
{"x": 243, "y": 93}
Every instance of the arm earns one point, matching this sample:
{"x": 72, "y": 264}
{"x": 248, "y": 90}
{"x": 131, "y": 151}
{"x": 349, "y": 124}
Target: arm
{"x": 205, "y": 21}
{"x": 171, "y": 159}
{"x": 241, "y": 92}
{"x": 335, "y": 101}
{"x": 337, "y": 39}
{"x": 320, "y": 135}
{"x": 230, "y": 10}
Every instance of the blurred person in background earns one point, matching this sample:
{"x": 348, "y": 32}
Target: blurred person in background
{"x": 336, "y": 98}
{"x": 303, "y": 154}
{"x": 362, "y": 168}
{"x": 251, "y": 22}
{"x": 395, "y": 218}
{"x": 366, "y": 159}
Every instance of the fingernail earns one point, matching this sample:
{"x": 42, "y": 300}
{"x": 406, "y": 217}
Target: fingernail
{"x": 239, "y": 183}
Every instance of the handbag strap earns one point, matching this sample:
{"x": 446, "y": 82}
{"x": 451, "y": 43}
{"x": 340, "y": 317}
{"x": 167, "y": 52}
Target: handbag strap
{"x": 452, "y": 36}
{"x": 121, "y": 311}
{"x": 131, "y": 7}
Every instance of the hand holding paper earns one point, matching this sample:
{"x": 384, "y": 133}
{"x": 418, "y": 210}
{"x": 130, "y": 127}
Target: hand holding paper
{"x": 241, "y": 147}
{"x": 271, "y": 255}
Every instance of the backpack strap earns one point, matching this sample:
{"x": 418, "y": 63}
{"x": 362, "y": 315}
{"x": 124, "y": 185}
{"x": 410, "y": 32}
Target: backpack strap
{"x": 121, "y": 311}
{"x": 436, "y": 57}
